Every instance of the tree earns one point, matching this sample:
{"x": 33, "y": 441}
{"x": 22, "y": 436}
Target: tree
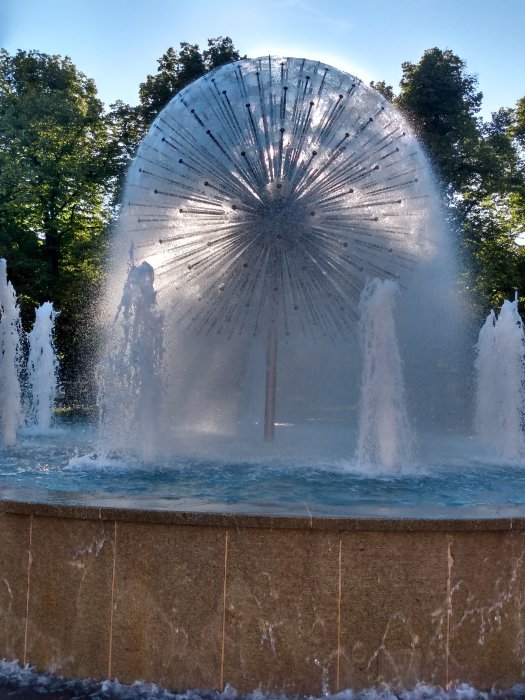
{"x": 59, "y": 164}
{"x": 176, "y": 70}
{"x": 440, "y": 99}
{"x": 126, "y": 128}
{"x": 518, "y": 127}
{"x": 219, "y": 52}
{"x": 480, "y": 165}
{"x": 386, "y": 90}
{"x": 492, "y": 209}
{"x": 491, "y": 232}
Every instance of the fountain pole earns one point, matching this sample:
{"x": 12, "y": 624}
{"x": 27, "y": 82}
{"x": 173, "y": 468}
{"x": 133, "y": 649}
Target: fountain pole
{"x": 271, "y": 382}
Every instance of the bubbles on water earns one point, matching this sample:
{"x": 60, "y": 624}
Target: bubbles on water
{"x": 25, "y": 682}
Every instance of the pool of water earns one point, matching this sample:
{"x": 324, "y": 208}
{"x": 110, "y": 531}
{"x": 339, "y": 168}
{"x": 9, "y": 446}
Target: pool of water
{"x": 299, "y": 474}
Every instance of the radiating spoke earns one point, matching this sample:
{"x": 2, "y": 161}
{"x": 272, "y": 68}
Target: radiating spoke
{"x": 271, "y": 190}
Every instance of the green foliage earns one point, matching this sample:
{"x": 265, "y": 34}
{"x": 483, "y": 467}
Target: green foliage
{"x": 518, "y": 127}
{"x": 386, "y": 90}
{"x": 58, "y": 169}
{"x": 491, "y": 231}
{"x": 175, "y": 71}
{"x": 220, "y": 51}
{"x": 441, "y": 101}
{"x": 62, "y": 166}
{"x": 126, "y": 128}
{"x": 481, "y": 167}
{"x": 492, "y": 209}
{"x": 178, "y": 69}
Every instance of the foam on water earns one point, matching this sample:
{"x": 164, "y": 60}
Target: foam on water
{"x": 18, "y": 681}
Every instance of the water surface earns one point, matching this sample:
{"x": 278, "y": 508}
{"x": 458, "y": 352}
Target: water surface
{"x": 306, "y": 471}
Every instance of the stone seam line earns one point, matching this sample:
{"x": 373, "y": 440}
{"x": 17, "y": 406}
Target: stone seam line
{"x": 339, "y": 593}
{"x": 221, "y": 681}
{"x": 450, "y": 565}
{"x": 112, "y": 604}
{"x": 28, "y": 586}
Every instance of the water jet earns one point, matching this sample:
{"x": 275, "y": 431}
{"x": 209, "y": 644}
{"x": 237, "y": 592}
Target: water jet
{"x": 10, "y": 354}
{"x": 42, "y": 369}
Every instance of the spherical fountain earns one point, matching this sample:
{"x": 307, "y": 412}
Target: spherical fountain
{"x": 264, "y": 197}
{"x": 285, "y": 399}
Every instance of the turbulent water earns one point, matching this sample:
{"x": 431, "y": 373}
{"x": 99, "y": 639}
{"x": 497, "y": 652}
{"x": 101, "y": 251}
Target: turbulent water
{"x": 24, "y": 682}
{"x": 306, "y": 471}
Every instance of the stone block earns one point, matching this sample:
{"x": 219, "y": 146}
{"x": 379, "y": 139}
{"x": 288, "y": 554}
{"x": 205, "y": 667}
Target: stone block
{"x": 14, "y": 560}
{"x": 69, "y": 605}
{"x": 281, "y": 611}
{"x": 393, "y": 609}
{"x": 487, "y": 602}
{"x": 168, "y": 605}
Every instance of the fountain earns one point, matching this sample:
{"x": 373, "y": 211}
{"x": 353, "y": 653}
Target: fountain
{"x": 255, "y": 511}
{"x": 500, "y": 367}
{"x": 265, "y": 197}
{"x": 384, "y": 432}
{"x": 42, "y": 369}
{"x": 38, "y": 372}
{"x": 131, "y": 373}
{"x": 10, "y": 351}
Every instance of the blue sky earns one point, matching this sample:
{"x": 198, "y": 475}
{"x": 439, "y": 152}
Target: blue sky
{"x": 117, "y": 42}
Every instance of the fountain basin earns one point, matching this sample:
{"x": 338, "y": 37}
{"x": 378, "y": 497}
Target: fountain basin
{"x": 287, "y": 604}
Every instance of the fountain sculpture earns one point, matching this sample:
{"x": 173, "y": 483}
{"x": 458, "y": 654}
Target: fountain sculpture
{"x": 278, "y": 217}
{"x": 265, "y": 196}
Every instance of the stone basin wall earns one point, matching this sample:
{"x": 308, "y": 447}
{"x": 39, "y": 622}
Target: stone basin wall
{"x": 285, "y": 604}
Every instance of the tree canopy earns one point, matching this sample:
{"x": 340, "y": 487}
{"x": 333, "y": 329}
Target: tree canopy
{"x": 178, "y": 69}
{"x": 481, "y": 167}
{"x": 58, "y": 168}
{"x": 441, "y": 100}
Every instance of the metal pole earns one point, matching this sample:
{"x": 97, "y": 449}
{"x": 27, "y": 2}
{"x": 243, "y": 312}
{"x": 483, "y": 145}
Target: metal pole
{"x": 271, "y": 382}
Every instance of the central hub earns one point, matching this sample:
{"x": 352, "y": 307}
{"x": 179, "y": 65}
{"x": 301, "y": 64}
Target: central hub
{"x": 281, "y": 221}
